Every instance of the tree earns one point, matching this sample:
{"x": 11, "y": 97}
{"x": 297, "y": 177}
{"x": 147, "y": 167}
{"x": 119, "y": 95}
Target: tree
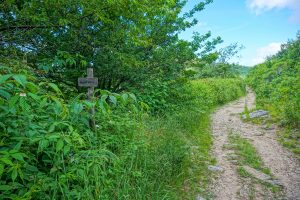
{"x": 124, "y": 39}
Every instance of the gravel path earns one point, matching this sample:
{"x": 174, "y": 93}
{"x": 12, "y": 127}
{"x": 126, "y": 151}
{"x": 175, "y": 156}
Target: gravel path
{"x": 228, "y": 185}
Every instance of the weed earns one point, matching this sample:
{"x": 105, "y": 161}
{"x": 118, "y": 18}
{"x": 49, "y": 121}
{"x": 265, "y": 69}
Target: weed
{"x": 248, "y": 156}
{"x": 247, "y": 153}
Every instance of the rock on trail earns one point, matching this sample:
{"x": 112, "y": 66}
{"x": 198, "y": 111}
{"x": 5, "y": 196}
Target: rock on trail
{"x": 227, "y": 184}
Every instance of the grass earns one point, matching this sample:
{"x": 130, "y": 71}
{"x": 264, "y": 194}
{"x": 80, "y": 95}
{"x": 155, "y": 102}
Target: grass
{"x": 184, "y": 136}
{"x": 187, "y": 136}
{"x": 247, "y": 155}
{"x": 197, "y": 175}
{"x": 290, "y": 138}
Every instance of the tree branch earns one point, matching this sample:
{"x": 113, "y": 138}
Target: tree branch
{"x": 27, "y": 27}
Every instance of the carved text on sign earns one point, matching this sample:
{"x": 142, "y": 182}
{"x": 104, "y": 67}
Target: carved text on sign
{"x": 87, "y": 82}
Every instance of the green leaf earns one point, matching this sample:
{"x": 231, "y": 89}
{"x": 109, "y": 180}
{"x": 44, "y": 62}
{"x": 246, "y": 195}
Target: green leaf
{"x": 67, "y": 149}
{"x": 21, "y": 175}
{"x": 12, "y": 102}
{"x": 52, "y": 127}
{"x": 18, "y": 145}
{"x": 6, "y": 161}
{"x": 70, "y": 61}
{"x": 24, "y": 105}
{"x": 55, "y": 88}
{"x": 113, "y": 99}
{"x": 32, "y": 168}
{"x": 104, "y": 97}
{"x": 18, "y": 156}
{"x": 125, "y": 97}
{"x": 5, "y": 187}
{"x": 21, "y": 79}
{"x": 43, "y": 144}
{"x": 6, "y": 153}
{"x": 1, "y": 169}
{"x": 104, "y": 106}
{"x": 59, "y": 145}
{"x": 32, "y": 87}
{"x": 83, "y": 63}
{"x": 51, "y": 137}
{"x": 104, "y": 92}
{"x": 14, "y": 174}
{"x": 4, "y": 78}
{"x": 53, "y": 170}
{"x": 34, "y": 96}
{"x": 89, "y": 104}
{"x": 132, "y": 96}
{"x": 44, "y": 102}
{"x": 5, "y": 94}
{"x": 145, "y": 106}
{"x": 13, "y": 151}
{"x": 78, "y": 107}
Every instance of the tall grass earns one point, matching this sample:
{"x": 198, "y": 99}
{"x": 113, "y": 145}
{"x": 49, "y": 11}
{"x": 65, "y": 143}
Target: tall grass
{"x": 179, "y": 142}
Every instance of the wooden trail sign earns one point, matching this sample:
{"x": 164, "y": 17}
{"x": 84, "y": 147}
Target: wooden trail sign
{"x": 90, "y": 82}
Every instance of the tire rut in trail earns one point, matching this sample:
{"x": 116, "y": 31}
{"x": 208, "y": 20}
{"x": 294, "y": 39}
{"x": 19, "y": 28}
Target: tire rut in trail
{"x": 280, "y": 161}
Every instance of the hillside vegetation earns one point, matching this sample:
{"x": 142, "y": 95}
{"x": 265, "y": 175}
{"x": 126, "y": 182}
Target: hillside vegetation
{"x": 277, "y": 83}
{"x": 152, "y": 137}
{"x": 277, "y": 86}
{"x": 49, "y": 152}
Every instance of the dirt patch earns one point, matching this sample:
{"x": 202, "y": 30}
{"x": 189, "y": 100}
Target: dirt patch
{"x": 283, "y": 165}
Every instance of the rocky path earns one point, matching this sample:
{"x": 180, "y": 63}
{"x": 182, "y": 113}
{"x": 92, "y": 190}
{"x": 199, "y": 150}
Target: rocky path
{"x": 228, "y": 185}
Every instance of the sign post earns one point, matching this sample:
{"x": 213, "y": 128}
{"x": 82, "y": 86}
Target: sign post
{"x": 90, "y": 82}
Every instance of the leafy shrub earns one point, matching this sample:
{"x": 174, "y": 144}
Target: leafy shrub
{"x": 212, "y": 92}
{"x": 48, "y": 151}
{"x": 276, "y": 83}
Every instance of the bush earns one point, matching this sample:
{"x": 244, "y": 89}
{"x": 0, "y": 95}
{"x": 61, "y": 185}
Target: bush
{"x": 277, "y": 84}
{"x": 48, "y": 150}
{"x": 212, "y": 92}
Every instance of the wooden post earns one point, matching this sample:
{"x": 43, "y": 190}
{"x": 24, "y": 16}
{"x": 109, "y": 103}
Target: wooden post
{"x": 90, "y": 82}
{"x": 90, "y": 95}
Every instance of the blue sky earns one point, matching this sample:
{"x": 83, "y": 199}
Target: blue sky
{"x": 259, "y": 25}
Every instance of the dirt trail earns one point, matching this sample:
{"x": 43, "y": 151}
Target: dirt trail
{"x": 228, "y": 185}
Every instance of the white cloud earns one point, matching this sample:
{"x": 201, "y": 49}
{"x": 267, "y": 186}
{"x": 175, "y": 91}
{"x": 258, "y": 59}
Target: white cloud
{"x": 263, "y": 52}
{"x": 260, "y": 6}
{"x": 201, "y": 24}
